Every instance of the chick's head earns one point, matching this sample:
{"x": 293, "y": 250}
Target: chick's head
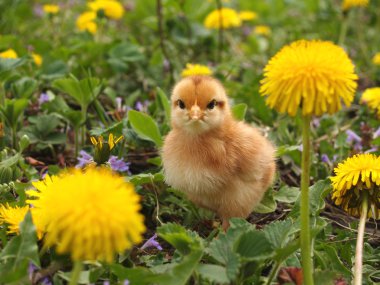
{"x": 199, "y": 104}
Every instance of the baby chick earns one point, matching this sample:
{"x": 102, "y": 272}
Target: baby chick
{"x": 220, "y": 164}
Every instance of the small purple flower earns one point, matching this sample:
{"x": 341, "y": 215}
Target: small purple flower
{"x": 83, "y": 159}
{"x": 44, "y": 97}
{"x": 325, "y": 159}
{"x": 142, "y": 106}
{"x": 126, "y": 282}
{"x": 352, "y": 137}
{"x": 376, "y": 134}
{"x": 31, "y": 269}
{"x": 119, "y": 105}
{"x": 106, "y": 282}
{"x": 373, "y": 149}
{"x": 151, "y": 243}
{"x": 46, "y": 281}
{"x": 316, "y": 122}
{"x": 300, "y": 147}
{"x": 118, "y": 164}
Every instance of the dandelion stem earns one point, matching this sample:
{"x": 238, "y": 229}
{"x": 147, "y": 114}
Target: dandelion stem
{"x": 220, "y": 32}
{"x": 75, "y": 273}
{"x": 344, "y": 27}
{"x": 273, "y": 272}
{"x": 307, "y": 262}
{"x": 359, "y": 242}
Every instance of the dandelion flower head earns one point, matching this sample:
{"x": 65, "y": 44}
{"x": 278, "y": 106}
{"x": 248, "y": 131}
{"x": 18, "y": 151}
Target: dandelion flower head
{"x": 37, "y": 59}
{"x": 9, "y": 53}
{"x": 222, "y": 18}
{"x": 371, "y": 96}
{"x": 195, "y": 69}
{"x": 247, "y": 15}
{"x": 86, "y": 22}
{"x": 314, "y": 75}
{"x": 354, "y": 176}
{"x": 376, "y": 59}
{"x": 50, "y": 9}
{"x": 112, "y": 9}
{"x": 347, "y": 4}
{"x": 13, "y": 216}
{"x": 90, "y": 214}
{"x": 262, "y": 30}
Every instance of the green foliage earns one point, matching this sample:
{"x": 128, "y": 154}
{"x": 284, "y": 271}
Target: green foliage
{"x": 145, "y": 127}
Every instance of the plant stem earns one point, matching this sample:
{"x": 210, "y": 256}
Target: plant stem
{"x": 75, "y": 273}
{"x": 359, "y": 242}
{"x": 307, "y": 262}
{"x": 76, "y": 134}
{"x": 273, "y": 272}
{"x": 343, "y": 28}
{"x": 220, "y": 32}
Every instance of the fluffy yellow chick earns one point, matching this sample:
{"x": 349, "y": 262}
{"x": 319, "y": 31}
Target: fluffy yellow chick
{"x": 220, "y": 164}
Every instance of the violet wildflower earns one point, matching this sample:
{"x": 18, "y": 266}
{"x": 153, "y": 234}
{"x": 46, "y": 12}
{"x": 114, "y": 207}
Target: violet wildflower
{"x": 325, "y": 159}
{"x": 83, "y": 159}
{"x": 106, "y": 282}
{"x": 376, "y": 134}
{"x": 118, "y": 164}
{"x": 151, "y": 243}
{"x": 352, "y": 137}
{"x": 44, "y": 97}
{"x": 126, "y": 282}
{"x": 31, "y": 269}
{"x": 142, "y": 106}
{"x": 46, "y": 281}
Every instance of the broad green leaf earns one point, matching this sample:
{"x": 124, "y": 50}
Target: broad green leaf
{"x": 24, "y": 87}
{"x": 285, "y": 149}
{"x": 145, "y": 127}
{"x": 165, "y": 102}
{"x": 221, "y": 250}
{"x": 23, "y": 246}
{"x": 182, "y": 239}
{"x": 13, "y": 110}
{"x": 213, "y": 273}
{"x": 83, "y": 91}
{"x": 267, "y": 204}
{"x": 9, "y": 162}
{"x": 287, "y": 194}
{"x": 84, "y": 276}
{"x": 254, "y": 246}
{"x": 239, "y": 110}
{"x": 277, "y": 233}
{"x": 144, "y": 178}
{"x": 7, "y": 64}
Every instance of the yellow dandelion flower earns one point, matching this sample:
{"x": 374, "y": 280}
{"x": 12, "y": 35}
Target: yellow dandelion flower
{"x": 37, "y": 59}
{"x": 371, "y": 96}
{"x": 85, "y": 22}
{"x": 9, "y": 53}
{"x": 195, "y": 69}
{"x": 247, "y": 15}
{"x": 222, "y": 18}
{"x": 91, "y": 214}
{"x": 103, "y": 149}
{"x": 51, "y": 9}
{"x": 314, "y": 75}
{"x": 13, "y": 216}
{"x": 376, "y": 59}
{"x": 347, "y": 4}
{"x": 354, "y": 176}
{"x": 262, "y": 30}
{"x": 111, "y": 8}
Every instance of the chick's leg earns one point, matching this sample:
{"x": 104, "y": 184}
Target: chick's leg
{"x": 225, "y": 224}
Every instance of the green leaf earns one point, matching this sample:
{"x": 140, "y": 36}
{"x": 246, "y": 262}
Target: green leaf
{"x": 239, "y": 110}
{"x": 213, "y": 273}
{"x": 182, "y": 239}
{"x": 9, "y": 162}
{"x": 144, "y": 178}
{"x": 7, "y": 64}
{"x": 13, "y": 110}
{"x": 84, "y": 276}
{"x": 254, "y": 246}
{"x": 145, "y": 127}
{"x": 287, "y": 194}
{"x": 267, "y": 204}
{"x": 23, "y": 246}
{"x": 165, "y": 102}
{"x": 83, "y": 91}
{"x": 277, "y": 233}
{"x": 24, "y": 87}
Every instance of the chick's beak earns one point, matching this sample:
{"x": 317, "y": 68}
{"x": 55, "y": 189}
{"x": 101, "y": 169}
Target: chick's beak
{"x": 195, "y": 113}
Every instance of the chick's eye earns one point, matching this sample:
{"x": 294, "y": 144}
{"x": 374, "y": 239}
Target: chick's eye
{"x": 181, "y": 104}
{"x": 211, "y": 105}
